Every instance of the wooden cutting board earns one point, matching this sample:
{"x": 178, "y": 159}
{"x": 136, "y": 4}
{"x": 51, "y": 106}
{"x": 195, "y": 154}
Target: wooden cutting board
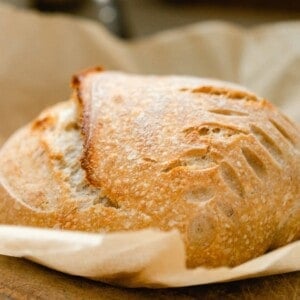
{"x": 22, "y": 279}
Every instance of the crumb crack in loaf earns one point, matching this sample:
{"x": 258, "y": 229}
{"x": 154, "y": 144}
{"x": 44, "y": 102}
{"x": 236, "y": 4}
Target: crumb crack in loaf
{"x": 129, "y": 152}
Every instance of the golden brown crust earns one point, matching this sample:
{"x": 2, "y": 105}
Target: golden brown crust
{"x": 192, "y": 156}
{"x": 212, "y": 160}
{"x": 12, "y": 212}
{"x": 226, "y": 92}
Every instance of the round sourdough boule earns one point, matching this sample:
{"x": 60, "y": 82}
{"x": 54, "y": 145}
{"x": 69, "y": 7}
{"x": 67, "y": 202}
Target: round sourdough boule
{"x": 130, "y": 152}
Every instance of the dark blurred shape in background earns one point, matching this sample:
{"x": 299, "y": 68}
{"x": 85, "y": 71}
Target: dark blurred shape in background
{"x": 137, "y": 18}
{"x": 55, "y": 5}
{"x": 105, "y": 11}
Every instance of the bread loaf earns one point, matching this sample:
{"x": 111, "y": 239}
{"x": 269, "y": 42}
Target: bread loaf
{"x": 128, "y": 152}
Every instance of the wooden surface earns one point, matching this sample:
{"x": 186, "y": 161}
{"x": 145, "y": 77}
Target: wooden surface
{"x": 22, "y": 279}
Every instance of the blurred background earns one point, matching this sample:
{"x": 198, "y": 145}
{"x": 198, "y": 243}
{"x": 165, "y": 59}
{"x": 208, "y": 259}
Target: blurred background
{"x": 137, "y": 18}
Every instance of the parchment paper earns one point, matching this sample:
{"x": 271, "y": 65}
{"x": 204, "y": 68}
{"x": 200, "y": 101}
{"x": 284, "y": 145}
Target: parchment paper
{"x": 38, "y": 54}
